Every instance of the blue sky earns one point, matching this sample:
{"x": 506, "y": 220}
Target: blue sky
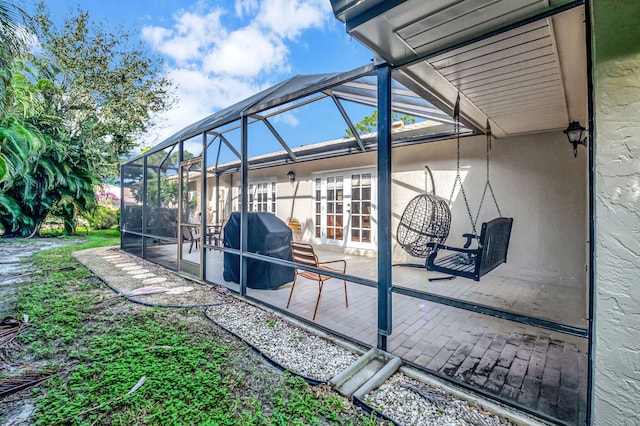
{"x": 218, "y": 52}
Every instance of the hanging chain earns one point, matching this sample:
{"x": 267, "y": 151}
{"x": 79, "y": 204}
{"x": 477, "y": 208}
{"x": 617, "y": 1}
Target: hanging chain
{"x": 488, "y": 182}
{"x": 489, "y": 140}
{"x": 456, "y": 121}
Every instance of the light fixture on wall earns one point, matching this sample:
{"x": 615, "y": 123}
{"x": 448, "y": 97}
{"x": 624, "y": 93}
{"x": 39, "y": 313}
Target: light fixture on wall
{"x": 574, "y": 134}
{"x": 292, "y": 176}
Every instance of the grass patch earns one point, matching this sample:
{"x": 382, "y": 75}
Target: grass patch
{"x": 194, "y": 374}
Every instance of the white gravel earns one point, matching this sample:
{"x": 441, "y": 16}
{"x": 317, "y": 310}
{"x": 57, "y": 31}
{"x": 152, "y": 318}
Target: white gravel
{"x": 290, "y": 346}
{"x": 405, "y": 400}
{"x": 410, "y": 402}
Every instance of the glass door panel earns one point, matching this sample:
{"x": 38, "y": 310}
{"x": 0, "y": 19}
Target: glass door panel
{"x": 344, "y": 208}
{"x": 361, "y": 208}
{"x": 335, "y": 208}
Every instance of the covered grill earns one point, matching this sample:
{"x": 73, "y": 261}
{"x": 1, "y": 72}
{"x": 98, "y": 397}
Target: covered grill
{"x": 268, "y": 236}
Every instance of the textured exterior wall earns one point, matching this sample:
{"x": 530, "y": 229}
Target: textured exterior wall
{"x": 535, "y": 177}
{"x": 616, "y": 350}
{"x": 536, "y": 181}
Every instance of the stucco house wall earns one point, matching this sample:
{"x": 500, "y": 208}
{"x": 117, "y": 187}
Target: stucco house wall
{"x": 536, "y": 180}
{"x": 616, "y": 338}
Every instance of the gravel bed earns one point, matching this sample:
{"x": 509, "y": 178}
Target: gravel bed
{"x": 410, "y": 402}
{"x": 405, "y": 400}
{"x": 292, "y": 347}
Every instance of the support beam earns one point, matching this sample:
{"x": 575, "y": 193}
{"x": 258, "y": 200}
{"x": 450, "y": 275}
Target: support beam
{"x": 244, "y": 203}
{"x": 349, "y": 123}
{"x": 218, "y": 156}
{"x": 278, "y": 137}
{"x": 145, "y": 206}
{"x": 384, "y": 205}
{"x": 217, "y": 198}
{"x": 231, "y": 147}
{"x": 203, "y": 207}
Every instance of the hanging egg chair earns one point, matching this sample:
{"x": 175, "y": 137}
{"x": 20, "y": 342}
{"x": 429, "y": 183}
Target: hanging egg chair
{"x": 426, "y": 219}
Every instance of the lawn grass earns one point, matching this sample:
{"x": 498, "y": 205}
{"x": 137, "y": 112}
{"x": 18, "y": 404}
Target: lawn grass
{"x": 193, "y": 373}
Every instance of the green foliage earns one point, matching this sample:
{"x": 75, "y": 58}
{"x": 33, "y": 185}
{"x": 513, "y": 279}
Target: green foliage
{"x": 102, "y": 217}
{"x": 168, "y": 191}
{"x": 110, "y": 87}
{"x": 370, "y": 122}
{"x": 57, "y": 180}
{"x": 192, "y": 375}
{"x": 18, "y": 141}
{"x": 13, "y": 39}
{"x": 72, "y": 110}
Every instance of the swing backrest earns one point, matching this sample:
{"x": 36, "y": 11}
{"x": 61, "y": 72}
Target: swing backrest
{"x": 493, "y": 244}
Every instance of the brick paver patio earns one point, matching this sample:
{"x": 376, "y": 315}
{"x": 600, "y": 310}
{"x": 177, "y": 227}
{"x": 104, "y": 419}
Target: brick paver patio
{"x": 543, "y": 370}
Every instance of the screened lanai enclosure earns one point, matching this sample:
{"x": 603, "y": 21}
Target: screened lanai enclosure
{"x": 335, "y": 161}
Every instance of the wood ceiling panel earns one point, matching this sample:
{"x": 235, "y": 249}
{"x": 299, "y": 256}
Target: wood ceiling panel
{"x": 505, "y": 48}
{"x": 504, "y": 71}
{"x": 525, "y": 86}
{"x": 521, "y": 79}
{"x": 524, "y": 105}
{"x": 496, "y": 66}
{"x": 495, "y": 40}
{"x": 491, "y": 83}
{"x": 466, "y": 17}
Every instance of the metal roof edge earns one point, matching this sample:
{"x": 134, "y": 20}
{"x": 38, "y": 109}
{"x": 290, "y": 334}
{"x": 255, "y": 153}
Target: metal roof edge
{"x": 333, "y": 80}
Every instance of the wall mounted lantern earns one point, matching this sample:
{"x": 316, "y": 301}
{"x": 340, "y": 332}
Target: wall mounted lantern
{"x": 292, "y": 176}
{"x": 574, "y": 134}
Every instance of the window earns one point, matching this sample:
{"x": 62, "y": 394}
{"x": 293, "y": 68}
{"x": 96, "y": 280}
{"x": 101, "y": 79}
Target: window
{"x": 262, "y": 196}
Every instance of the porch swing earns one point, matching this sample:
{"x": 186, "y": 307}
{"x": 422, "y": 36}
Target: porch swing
{"x": 493, "y": 242}
{"x": 426, "y": 219}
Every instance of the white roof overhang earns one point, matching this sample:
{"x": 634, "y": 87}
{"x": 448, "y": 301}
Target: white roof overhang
{"x": 529, "y": 76}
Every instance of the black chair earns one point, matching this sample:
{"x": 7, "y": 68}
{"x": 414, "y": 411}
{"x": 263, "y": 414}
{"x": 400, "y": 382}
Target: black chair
{"x": 214, "y": 233}
{"x": 191, "y": 234}
{"x": 493, "y": 244}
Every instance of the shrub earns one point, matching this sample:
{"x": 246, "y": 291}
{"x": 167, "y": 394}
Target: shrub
{"x": 102, "y": 217}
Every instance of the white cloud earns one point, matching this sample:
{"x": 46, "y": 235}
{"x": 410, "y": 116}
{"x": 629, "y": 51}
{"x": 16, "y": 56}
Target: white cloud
{"x": 245, "y": 7}
{"x": 190, "y": 36}
{"x": 216, "y": 60}
{"x": 247, "y": 52}
{"x": 288, "y": 18}
{"x": 289, "y": 118}
{"x": 200, "y": 94}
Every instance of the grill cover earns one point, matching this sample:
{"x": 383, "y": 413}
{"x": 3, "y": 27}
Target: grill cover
{"x": 268, "y": 236}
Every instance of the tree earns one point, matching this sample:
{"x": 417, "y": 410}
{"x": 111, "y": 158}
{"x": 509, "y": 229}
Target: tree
{"x": 370, "y": 122}
{"x": 14, "y": 38}
{"x": 91, "y": 96}
{"x": 111, "y": 89}
{"x": 57, "y": 176}
{"x": 16, "y": 140}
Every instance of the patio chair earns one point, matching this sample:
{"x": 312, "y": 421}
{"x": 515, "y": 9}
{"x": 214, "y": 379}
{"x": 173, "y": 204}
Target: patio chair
{"x": 191, "y": 234}
{"x": 214, "y": 233}
{"x": 493, "y": 244}
{"x": 304, "y": 255}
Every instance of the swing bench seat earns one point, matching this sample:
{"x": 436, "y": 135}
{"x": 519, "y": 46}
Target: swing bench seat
{"x": 466, "y": 262}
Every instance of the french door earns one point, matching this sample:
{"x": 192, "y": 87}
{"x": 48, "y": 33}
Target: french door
{"x": 344, "y": 209}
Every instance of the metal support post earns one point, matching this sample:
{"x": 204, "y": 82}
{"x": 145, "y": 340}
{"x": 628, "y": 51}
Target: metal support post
{"x": 384, "y": 205}
{"x": 244, "y": 201}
